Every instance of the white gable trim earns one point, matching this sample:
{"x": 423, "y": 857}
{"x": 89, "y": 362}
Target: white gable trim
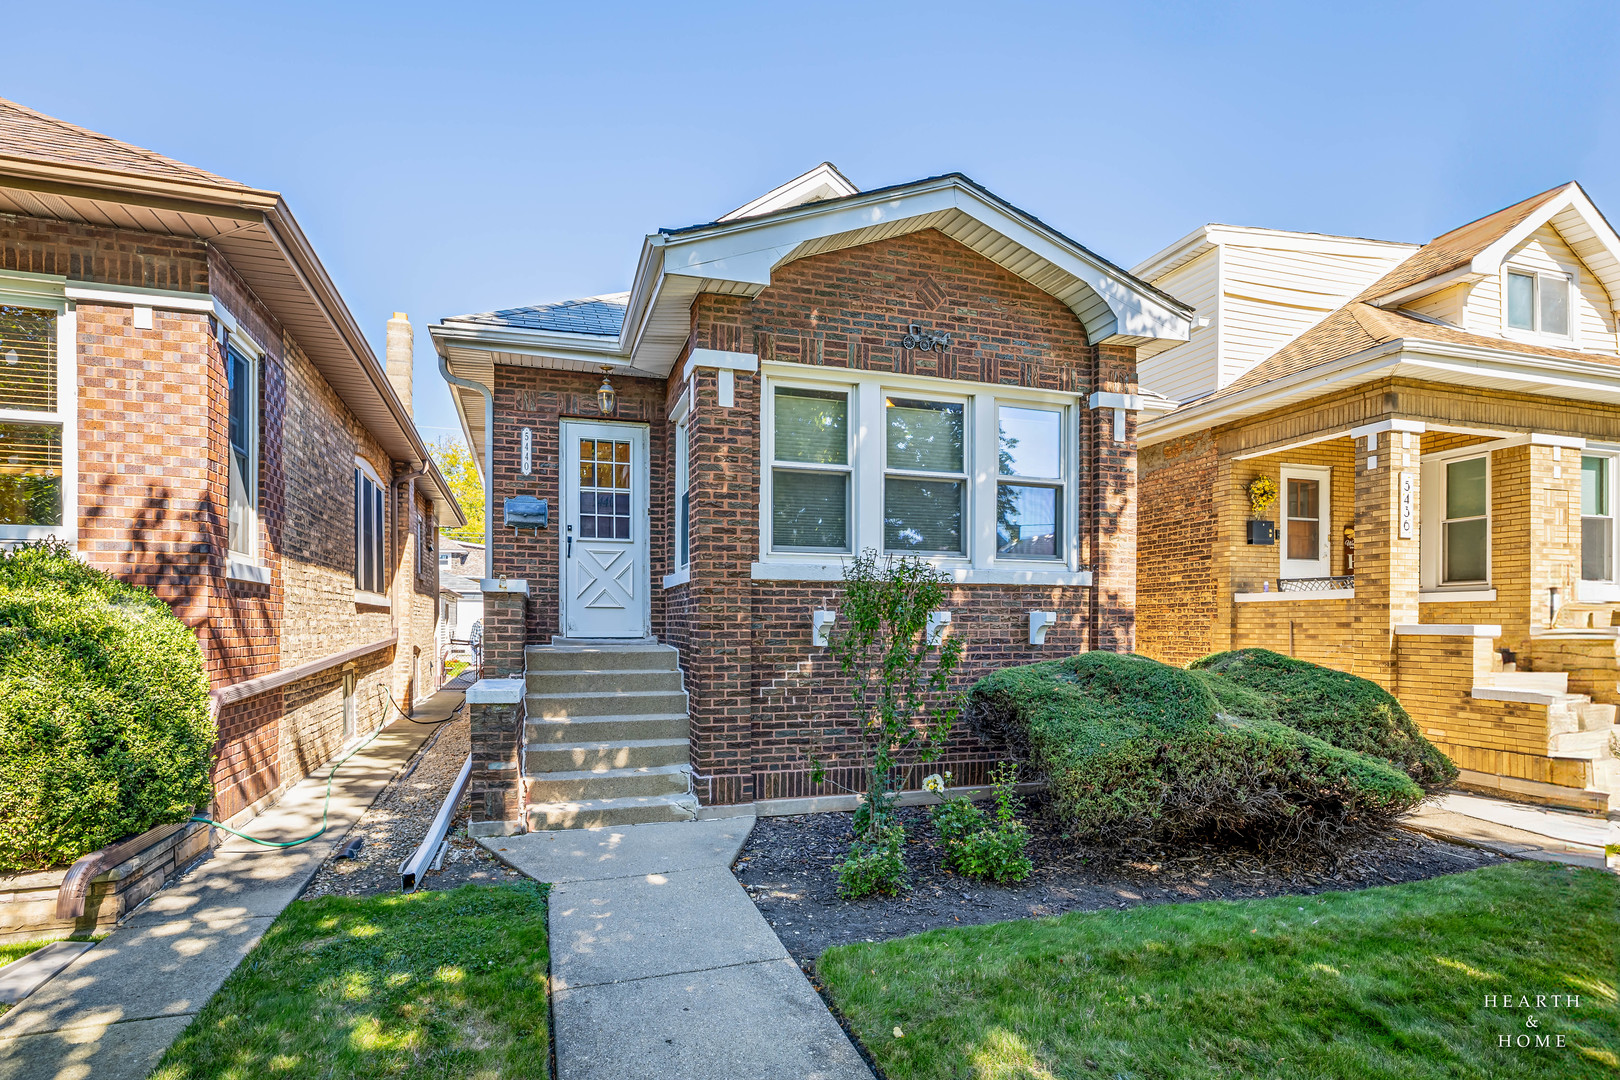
{"x": 1583, "y": 228}
{"x": 822, "y": 182}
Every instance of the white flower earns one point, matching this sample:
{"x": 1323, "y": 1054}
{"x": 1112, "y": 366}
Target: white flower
{"x": 935, "y": 783}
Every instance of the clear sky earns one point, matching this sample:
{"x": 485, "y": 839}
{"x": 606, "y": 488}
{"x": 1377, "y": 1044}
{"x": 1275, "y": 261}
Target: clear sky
{"x": 452, "y": 158}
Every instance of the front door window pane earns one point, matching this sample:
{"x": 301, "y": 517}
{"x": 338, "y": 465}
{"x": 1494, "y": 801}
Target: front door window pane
{"x": 1554, "y": 305}
{"x": 1027, "y": 521}
{"x": 30, "y": 474}
{"x": 810, "y": 510}
{"x": 604, "y": 489}
{"x": 925, "y": 436}
{"x": 1031, "y": 442}
{"x": 923, "y": 516}
{"x": 1521, "y": 301}
{"x": 1304, "y": 519}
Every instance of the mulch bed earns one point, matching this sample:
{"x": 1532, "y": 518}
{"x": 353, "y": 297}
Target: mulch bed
{"x": 787, "y": 866}
{"x": 396, "y": 823}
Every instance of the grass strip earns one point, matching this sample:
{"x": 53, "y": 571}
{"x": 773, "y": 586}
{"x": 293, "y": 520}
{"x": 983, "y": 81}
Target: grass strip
{"x": 431, "y": 984}
{"x": 1387, "y": 982}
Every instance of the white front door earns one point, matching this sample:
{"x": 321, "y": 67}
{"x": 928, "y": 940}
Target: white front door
{"x": 605, "y": 586}
{"x": 1306, "y": 546}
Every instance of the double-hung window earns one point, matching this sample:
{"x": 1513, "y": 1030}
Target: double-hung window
{"x": 1539, "y": 302}
{"x": 369, "y": 530}
{"x": 810, "y": 470}
{"x": 925, "y": 476}
{"x": 36, "y": 402}
{"x": 1465, "y": 529}
{"x": 243, "y": 431}
{"x": 1029, "y": 492}
{"x": 1597, "y": 518}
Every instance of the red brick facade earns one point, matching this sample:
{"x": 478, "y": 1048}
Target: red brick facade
{"x": 152, "y": 498}
{"x": 1176, "y": 531}
{"x": 763, "y": 699}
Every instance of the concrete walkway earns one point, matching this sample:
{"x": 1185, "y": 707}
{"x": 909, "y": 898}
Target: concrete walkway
{"x": 661, "y": 965}
{"x": 1515, "y": 829}
{"x": 111, "y": 1013}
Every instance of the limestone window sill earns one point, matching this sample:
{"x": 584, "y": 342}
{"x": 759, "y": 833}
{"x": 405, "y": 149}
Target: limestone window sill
{"x": 371, "y": 600}
{"x": 679, "y": 577}
{"x": 1278, "y": 596}
{"x": 242, "y": 568}
{"x": 833, "y": 570}
{"x": 1457, "y": 596}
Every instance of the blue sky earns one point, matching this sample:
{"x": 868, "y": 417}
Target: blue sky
{"x": 453, "y": 158}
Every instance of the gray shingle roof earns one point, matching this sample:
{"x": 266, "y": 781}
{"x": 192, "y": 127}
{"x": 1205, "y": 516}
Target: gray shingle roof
{"x": 599, "y": 315}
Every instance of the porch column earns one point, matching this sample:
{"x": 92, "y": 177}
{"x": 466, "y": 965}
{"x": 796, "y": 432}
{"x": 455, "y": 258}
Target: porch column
{"x": 1387, "y": 551}
{"x": 1555, "y": 524}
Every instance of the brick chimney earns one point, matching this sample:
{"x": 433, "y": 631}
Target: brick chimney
{"x": 401, "y": 350}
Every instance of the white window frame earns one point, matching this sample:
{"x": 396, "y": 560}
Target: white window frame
{"x": 965, "y": 476}
{"x": 1603, "y": 591}
{"x": 768, "y": 453}
{"x": 1322, "y": 565}
{"x": 1535, "y": 333}
{"x": 46, "y": 292}
{"x": 868, "y": 452}
{"x": 362, "y": 595}
{"x": 1432, "y": 535}
{"x": 1060, "y": 483}
{"x": 250, "y": 524}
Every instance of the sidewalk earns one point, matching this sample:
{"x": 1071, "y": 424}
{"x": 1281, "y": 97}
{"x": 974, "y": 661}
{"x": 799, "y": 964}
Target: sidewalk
{"x": 1515, "y": 829}
{"x": 111, "y": 1013}
{"x": 662, "y": 966}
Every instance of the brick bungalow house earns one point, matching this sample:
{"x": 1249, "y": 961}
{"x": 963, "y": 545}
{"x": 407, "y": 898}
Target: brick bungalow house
{"x": 187, "y": 402}
{"x": 1442, "y": 425}
{"x": 920, "y": 369}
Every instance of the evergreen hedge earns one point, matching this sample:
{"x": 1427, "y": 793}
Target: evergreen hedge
{"x": 104, "y": 719}
{"x": 1343, "y": 709}
{"x": 1133, "y": 748}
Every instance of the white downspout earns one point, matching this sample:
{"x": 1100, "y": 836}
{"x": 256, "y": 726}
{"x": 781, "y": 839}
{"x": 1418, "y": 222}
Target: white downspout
{"x": 489, "y": 457}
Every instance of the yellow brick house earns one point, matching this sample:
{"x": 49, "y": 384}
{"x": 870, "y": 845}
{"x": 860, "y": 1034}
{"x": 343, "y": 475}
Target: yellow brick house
{"x": 1440, "y": 425}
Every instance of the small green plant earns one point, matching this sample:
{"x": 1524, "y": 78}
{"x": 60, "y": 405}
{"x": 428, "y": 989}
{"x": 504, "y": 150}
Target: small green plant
{"x": 902, "y": 704}
{"x": 875, "y": 865}
{"x": 978, "y": 845}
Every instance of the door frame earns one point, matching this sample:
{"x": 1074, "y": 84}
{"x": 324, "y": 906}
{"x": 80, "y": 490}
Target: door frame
{"x": 640, "y": 495}
{"x": 1323, "y": 563}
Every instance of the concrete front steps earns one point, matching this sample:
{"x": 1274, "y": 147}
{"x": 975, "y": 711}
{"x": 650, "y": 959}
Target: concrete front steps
{"x": 605, "y": 742}
{"x": 1577, "y": 727}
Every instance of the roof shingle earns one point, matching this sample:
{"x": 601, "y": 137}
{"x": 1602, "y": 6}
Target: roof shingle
{"x": 25, "y": 133}
{"x": 602, "y": 316}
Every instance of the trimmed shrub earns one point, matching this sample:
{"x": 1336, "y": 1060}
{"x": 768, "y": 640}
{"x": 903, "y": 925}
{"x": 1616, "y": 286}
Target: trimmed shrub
{"x": 1343, "y": 709}
{"x": 104, "y": 725}
{"x": 1132, "y": 748}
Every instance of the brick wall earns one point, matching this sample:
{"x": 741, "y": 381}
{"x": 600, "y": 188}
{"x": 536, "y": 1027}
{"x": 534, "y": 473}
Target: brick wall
{"x": 1175, "y": 587}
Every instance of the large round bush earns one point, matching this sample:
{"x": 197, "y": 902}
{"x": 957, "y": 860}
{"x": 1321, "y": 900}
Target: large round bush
{"x": 104, "y": 724}
{"x": 1343, "y": 709}
{"x": 1131, "y": 747}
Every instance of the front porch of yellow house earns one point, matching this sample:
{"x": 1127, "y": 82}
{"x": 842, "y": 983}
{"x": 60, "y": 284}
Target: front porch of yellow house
{"x": 1438, "y": 550}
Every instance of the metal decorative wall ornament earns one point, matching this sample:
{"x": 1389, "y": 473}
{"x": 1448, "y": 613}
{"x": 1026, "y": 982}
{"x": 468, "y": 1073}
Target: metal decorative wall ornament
{"x": 916, "y": 338}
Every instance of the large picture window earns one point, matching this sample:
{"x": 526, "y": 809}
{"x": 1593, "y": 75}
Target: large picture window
{"x": 1029, "y": 493}
{"x": 31, "y": 423}
{"x": 369, "y": 525}
{"x": 925, "y": 482}
{"x": 1466, "y": 527}
{"x": 810, "y": 470}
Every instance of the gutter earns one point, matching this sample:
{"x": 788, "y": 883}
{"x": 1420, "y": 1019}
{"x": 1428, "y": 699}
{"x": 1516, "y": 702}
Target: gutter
{"x": 489, "y": 456}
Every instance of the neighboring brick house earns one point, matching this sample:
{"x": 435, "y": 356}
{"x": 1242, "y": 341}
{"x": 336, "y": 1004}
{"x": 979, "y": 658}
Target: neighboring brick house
{"x": 1443, "y": 426}
{"x": 922, "y": 369}
{"x": 190, "y": 405}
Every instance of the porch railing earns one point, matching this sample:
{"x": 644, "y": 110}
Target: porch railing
{"x": 1316, "y": 584}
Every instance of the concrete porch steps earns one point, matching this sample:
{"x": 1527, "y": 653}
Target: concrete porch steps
{"x": 605, "y": 739}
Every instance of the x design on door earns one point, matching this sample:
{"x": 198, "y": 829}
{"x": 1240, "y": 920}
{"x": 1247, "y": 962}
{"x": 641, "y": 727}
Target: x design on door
{"x": 605, "y": 587}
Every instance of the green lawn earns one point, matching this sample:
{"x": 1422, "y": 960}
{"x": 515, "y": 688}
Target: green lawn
{"x": 18, "y": 949}
{"x": 434, "y": 984}
{"x": 1388, "y": 982}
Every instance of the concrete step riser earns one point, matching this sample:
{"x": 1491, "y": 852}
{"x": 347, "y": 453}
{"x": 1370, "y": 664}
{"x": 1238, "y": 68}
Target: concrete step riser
{"x": 604, "y": 729}
{"x": 602, "y": 682}
{"x": 568, "y": 706}
{"x": 566, "y": 758}
{"x": 542, "y": 819}
{"x": 623, "y": 785}
{"x": 1597, "y": 716}
{"x": 1592, "y": 745}
{"x": 563, "y": 659}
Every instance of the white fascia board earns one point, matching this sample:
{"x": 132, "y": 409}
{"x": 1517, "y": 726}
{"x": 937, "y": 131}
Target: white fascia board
{"x": 1393, "y": 423}
{"x": 1426, "y": 287}
{"x": 1563, "y": 442}
{"x": 746, "y": 252}
{"x": 1177, "y": 255}
{"x": 719, "y": 358}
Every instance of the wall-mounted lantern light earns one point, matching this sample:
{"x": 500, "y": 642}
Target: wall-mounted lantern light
{"x": 821, "y": 622}
{"x": 1039, "y": 623}
{"x": 937, "y": 622}
{"x": 607, "y": 399}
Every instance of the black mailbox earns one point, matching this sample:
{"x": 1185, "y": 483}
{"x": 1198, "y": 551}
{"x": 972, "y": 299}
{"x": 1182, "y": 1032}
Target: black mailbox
{"x": 527, "y": 512}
